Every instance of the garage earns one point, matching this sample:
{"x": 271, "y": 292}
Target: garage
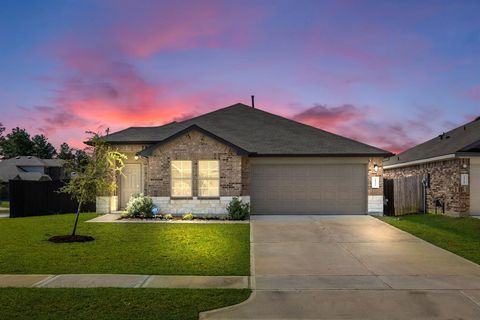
{"x": 308, "y": 187}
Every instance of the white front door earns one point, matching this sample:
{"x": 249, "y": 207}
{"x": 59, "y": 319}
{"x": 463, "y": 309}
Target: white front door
{"x": 131, "y": 182}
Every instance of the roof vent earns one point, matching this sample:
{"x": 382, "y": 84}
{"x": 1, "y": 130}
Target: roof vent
{"x": 29, "y": 157}
{"x": 17, "y": 157}
{"x": 253, "y": 101}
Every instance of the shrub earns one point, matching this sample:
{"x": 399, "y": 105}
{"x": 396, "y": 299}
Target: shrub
{"x": 140, "y": 206}
{"x": 187, "y": 216}
{"x": 168, "y": 216}
{"x": 238, "y": 210}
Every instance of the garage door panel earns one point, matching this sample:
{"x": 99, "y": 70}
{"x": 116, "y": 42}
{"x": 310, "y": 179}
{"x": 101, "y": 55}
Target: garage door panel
{"x": 308, "y": 189}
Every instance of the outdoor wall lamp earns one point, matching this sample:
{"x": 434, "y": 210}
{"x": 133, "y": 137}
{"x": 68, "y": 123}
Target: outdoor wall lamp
{"x": 136, "y": 157}
{"x": 375, "y": 168}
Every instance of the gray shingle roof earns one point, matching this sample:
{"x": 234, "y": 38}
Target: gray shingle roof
{"x": 255, "y": 131}
{"x": 12, "y": 168}
{"x": 463, "y": 139}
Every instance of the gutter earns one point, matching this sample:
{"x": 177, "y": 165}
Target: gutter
{"x": 421, "y": 161}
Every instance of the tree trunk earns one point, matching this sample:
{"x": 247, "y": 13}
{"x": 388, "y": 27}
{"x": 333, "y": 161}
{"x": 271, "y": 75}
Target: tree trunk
{"x": 76, "y": 218}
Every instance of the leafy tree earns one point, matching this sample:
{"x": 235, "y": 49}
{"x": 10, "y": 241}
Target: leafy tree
{"x": 42, "y": 148}
{"x": 97, "y": 177}
{"x": 16, "y": 143}
{"x": 66, "y": 152}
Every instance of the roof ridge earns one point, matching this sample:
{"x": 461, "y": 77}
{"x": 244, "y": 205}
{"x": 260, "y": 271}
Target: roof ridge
{"x": 238, "y": 104}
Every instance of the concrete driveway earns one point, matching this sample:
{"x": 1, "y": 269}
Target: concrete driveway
{"x": 351, "y": 267}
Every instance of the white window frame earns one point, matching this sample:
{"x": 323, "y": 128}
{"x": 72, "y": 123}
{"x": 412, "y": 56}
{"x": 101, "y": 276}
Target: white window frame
{"x": 200, "y": 178}
{"x": 182, "y": 178}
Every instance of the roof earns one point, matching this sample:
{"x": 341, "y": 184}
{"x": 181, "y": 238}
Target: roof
{"x": 12, "y": 168}
{"x": 463, "y": 140}
{"x": 256, "y": 132}
{"x": 32, "y": 176}
{"x": 32, "y": 161}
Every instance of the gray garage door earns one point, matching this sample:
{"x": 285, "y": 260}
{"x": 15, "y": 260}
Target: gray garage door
{"x": 308, "y": 189}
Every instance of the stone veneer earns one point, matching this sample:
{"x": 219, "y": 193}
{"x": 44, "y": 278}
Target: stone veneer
{"x": 444, "y": 182}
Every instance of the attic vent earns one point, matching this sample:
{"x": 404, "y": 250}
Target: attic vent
{"x": 443, "y": 135}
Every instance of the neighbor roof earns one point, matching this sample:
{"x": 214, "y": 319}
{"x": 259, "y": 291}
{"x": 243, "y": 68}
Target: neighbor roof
{"x": 464, "y": 140}
{"x": 12, "y": 168}
{"x": 254, "y": 131}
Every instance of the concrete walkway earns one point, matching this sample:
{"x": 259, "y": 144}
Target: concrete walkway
{"x": 351, "y": 267}
{"x": 123, "y": 281}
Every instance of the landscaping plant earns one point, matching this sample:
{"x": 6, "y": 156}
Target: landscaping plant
{"x": 238, "y": 210}
{"x": 96, "y": 176}
{"x": 188, "y": 216}
{"x": 140, "y": 206}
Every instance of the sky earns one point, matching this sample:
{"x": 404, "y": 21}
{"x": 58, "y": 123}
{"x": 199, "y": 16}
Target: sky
{"x": 388, "y": 73}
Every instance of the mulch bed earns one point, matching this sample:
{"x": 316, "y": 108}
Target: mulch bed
{"x": 70, "y": 239}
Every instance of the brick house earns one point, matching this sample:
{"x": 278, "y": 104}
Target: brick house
{"x": 277, "y": 165}
{"x": 451, "y": 163}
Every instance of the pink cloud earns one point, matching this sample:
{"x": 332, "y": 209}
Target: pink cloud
{"x": 144, "y": 30}
{"x": 368, "y": 125}
{"x": 473, "y": 93}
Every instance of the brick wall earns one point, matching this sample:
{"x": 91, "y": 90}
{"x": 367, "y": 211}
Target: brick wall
{"x": 195, "y": 146}
{"x": 444, "y": 183}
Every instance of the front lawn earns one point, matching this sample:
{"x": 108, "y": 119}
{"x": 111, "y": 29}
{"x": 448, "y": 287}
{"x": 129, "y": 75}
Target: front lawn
{"x": 114, "y": 303}
{"x": 458, "y": 235}
{"x": 130, "y": 248}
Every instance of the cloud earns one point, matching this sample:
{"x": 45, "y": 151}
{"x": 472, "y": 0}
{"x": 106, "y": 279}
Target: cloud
{"x": 97, "y": 83}
{"x": 473, "y": 93}
{"x": 326, "y": 117}
{"x": 365, "y": 124}
{"x": 144, "y": 30}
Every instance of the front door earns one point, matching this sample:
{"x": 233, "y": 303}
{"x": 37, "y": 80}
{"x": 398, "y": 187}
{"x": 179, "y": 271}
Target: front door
{"x": 131, "y": 182}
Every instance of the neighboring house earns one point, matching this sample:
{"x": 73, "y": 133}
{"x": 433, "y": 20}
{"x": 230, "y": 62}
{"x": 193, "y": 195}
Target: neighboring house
{"x": 451, "y": 163}
{"x": 31, "y": 168}
{"x": 278, "y": 165}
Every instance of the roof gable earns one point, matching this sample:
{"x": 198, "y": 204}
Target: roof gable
{"x": 148, "y": 151}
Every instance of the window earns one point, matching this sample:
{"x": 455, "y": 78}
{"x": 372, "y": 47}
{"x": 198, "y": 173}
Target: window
{"x": 181, "y": 178}
{"x": 208, "y": 178}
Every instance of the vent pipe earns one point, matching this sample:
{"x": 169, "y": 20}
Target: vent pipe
{"x": 253, "y": 101}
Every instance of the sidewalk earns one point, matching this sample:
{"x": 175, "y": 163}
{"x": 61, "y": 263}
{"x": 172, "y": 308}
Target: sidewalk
{"x": 123, "y": 281}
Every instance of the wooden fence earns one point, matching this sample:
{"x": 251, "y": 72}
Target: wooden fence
{"x": 403, "y": 196}
{"x": 36, "y": 198}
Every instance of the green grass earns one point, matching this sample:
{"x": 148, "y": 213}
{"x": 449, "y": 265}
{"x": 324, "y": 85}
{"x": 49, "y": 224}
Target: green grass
{"x": 113, "y": 303}
{"x": 130, "y": 248}
{"x": 5, "y": 204}
{"x": 458, "y": 235}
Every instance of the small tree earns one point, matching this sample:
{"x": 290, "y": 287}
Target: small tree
{"x": 95, "y": 176}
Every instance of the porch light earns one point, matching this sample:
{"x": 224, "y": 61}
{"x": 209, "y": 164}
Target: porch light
{"x": 375, "y": 168}
{"x": 136, "y": 157}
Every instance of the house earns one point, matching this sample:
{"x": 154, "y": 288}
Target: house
{"x": 277, "y": 165}
{"x": 31, "y": 168}
{"x": 449, "y": 164}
